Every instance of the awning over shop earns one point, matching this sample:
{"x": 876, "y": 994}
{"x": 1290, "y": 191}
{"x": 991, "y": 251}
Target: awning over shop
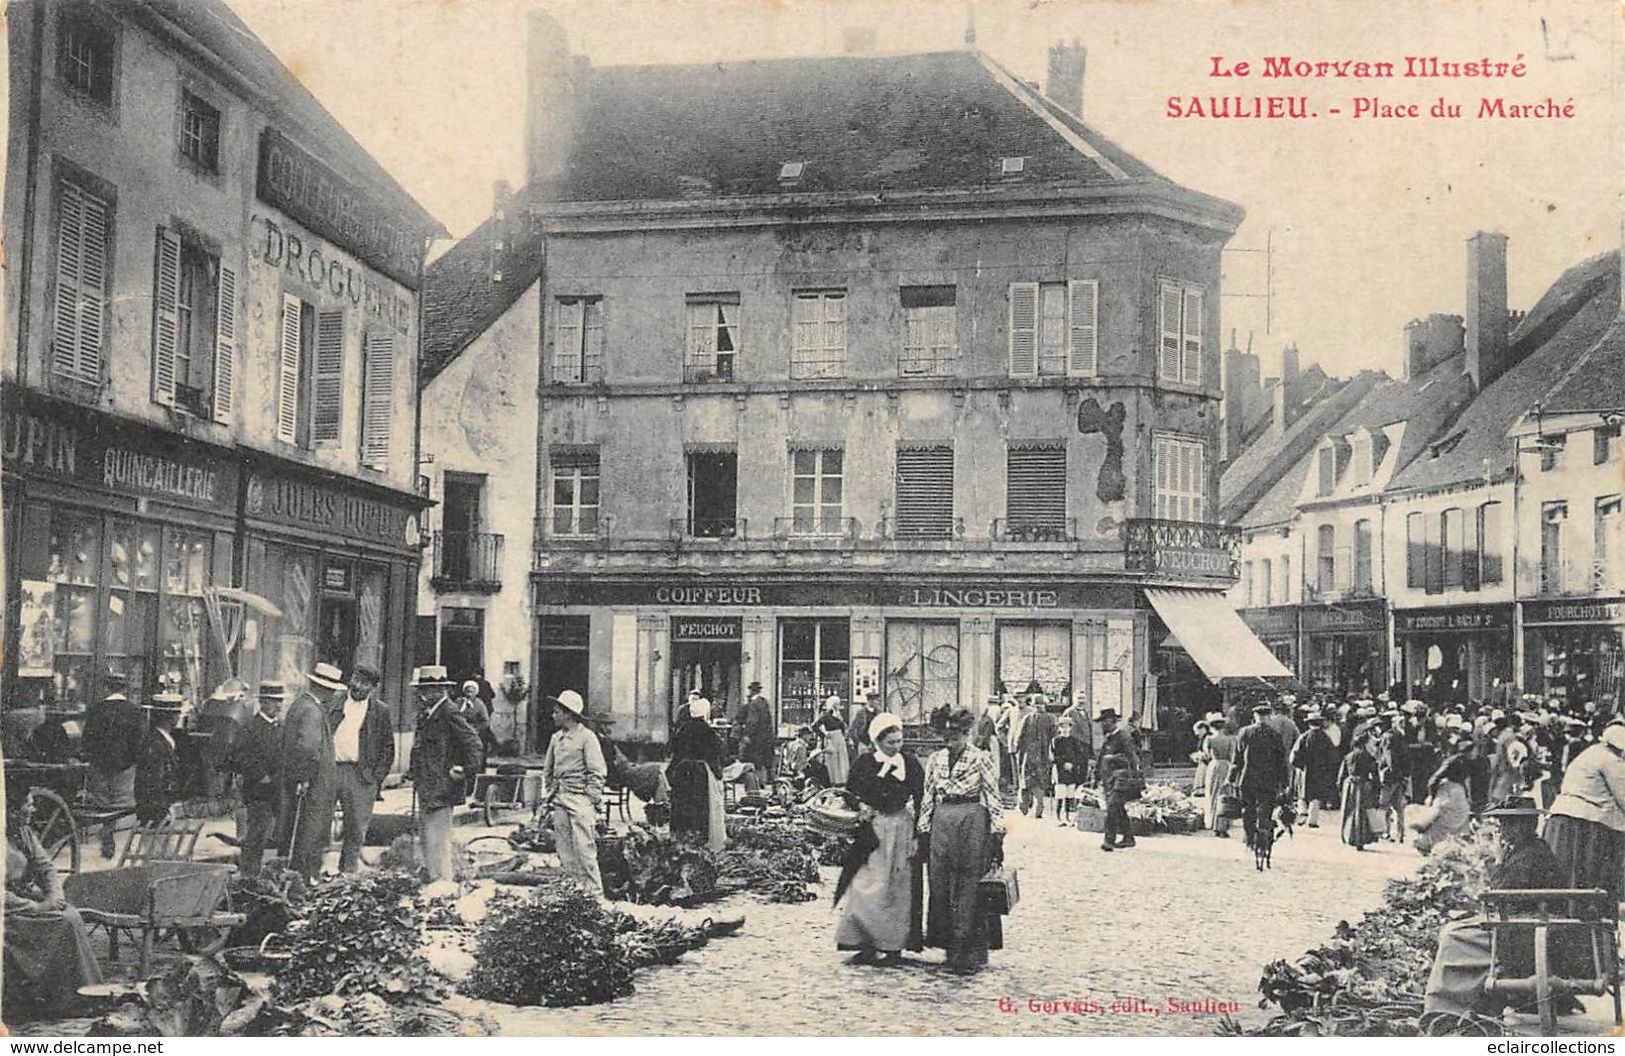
{"x": 1214, "y": 635}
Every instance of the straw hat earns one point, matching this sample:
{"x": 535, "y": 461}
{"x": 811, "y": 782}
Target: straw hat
{"x": 328, "y": 676}
{"x": 570, "y": 701}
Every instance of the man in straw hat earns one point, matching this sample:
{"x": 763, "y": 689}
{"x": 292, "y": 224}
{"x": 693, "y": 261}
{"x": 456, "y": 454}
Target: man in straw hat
{"x": 158, "y": 776}
{"x": 574, "y": 772}
{"x": 256, "y": 758}
{"x": 308, "y": 772}
{"x": 445, "y": 749}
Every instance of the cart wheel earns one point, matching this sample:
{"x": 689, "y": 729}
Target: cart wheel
{"x": 489, "y": 804}
{"x": 57, "y": 831}
{"x": 206, "y": 939}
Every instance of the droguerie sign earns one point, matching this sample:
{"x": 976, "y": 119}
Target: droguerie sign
{"x": 328, "y": 270}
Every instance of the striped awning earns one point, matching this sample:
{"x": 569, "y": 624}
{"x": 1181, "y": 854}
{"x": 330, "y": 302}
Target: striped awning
{"x": 1214, "y": 635}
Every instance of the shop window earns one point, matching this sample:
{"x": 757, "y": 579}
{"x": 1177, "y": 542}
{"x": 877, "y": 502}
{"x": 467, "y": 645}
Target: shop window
{"x": 819, "y": 328}
{"x": 930, "y": 330}
{"x": 86, "y": 54}
{"x": 713, "y": 337}
{"x": 1552, "y": 517}
{"x": 816, "y": 489}
{"x": 814, "y": 662}
{"x": 1179, "y": 356}
{"x": 1491, "y": 532}
{"x": 1326, "y": 558}
{"x": 1035, "y": 495}
{"x": 713, "y": 494}
{"x": 194, "y": 322}
{"x": 578, "y": 341}
{"x": 200, "y": 132}
{"x": 575, "y": 492}
{"x": 1180, "y": 480}
{"x": 84, "y": 232}
{"x": 289, "y": 580}
{"x": 1452, "y": 531}
{"x": 1036, "y": 652}
{"x": 1362, "y": 557}
{"x": 922, "y": 668}
{"x": 1607, "y": 541}
{"x": 925, "y": 493}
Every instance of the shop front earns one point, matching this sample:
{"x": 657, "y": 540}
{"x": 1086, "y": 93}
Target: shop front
{"x": 1457, "y": 653}
{"x": 117, "y": 536}
{"x": 910, "y": 646}
{"x": 1277, "y": 627}
{"x": 1574, "y": 650}
{"x": 1345, "y": 647}
{"x": 339, "y": 558}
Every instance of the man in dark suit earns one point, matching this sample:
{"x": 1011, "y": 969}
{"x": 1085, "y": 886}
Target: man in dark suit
{"x": 114, "y": 728}
{"x": 158, "y": 777}
{"x": 758, "y": 742}
{"x": 445, "y": 749}
{"x": 308, "y": 778}
{"x": 363, "y": 752}
{"x": 255, "y": 757}
{"x": 1261, "y": 772}
{"x": 1034, "y": 755}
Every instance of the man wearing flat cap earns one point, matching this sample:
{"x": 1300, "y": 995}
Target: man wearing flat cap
{"x": 445, "y": 749}
{"x": 574, "y": 772}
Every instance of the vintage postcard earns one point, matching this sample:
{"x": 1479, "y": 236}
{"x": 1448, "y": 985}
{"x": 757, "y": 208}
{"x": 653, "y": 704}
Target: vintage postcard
{"x": 1084, "y": 518}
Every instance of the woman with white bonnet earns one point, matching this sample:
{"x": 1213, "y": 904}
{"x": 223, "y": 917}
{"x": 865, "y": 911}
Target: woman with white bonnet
{"x": 880, "y": 904}
{"x": 832, "y": 731}
{"x": 695, "y": 775}
{"x": 1586, "y": 829}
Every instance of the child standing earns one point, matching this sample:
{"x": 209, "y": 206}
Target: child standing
{"x": 1071, "y": 761}
{"x": 1118, "y": 782}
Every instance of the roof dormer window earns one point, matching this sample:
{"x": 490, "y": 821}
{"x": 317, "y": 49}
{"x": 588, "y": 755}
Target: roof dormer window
{"x": 791, "y": 171}
{"x": 1012, "y": 166}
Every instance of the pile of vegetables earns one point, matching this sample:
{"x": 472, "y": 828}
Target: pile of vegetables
{"x": 773, "y": 857}
{"x": 656, "y": 868}
{"x": 360, "y": 934}
{"x": 1369, "y": 979}
{"x": 562, "y": 947}
{"x": 1160, "y": 809}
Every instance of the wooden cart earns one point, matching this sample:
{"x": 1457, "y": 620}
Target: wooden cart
{"x": 188, "y": 901}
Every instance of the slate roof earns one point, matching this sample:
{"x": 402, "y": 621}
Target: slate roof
{"x": 215, "y": 26}
{"x": 1562, "y": 327}
{"x": 1598, "y": 382}
{"x": 460, "y": 297}
{"x": 860, "y": 123}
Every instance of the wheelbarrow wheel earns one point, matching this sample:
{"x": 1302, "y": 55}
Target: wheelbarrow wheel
{"x": 490, "y": 804}
{"x": 206, "y": 939}
{"x": 57, "y": 831}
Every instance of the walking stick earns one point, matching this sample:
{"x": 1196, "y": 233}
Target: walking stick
{"x": 293, "y": 830}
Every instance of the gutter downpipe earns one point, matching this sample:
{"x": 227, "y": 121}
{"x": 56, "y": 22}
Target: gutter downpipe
{"x": 30, "y": 189}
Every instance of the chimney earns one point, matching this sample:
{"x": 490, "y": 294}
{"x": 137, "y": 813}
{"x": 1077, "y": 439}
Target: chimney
{"x": 858, "y": 40}
{"x": 1486, "y": 308}
{"x": 1431, "y": 341}
{"x": 1064, "y": 83}
{"x": 551, "y": 79}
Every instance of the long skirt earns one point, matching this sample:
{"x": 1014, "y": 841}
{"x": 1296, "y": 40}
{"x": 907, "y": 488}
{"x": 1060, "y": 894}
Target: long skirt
{"x": 696, "y": 803}
{"x": 959, "y": 856}
{"x": 1218, "y": 775}
{"x": 881, "y": 910}
{"x": 47, "y": 959}
{"x": 836, "y": 759}
{"x": 1359, "y": 799}
{"x": 1591, "y": 854}
{"x": 1462, "y": 965}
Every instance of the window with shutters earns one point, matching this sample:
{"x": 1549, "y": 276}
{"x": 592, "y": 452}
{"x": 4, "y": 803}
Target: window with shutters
{"x": 1453, "y": 538}
{"x": 1180, "y": 479}
{"x": 713, "y": 337}
{"x": 816, "y": 491}
{"x": 930, "y": 330}
{"x": 84, "y": 229}
{"x": 1326, "y": 558}
{"x": 924, "y": 507}
{"x": 1553, "y": 515}
{"x": 578, "y": 341}
{"x": 194, "y": 344}
{"x": 310, "y": 398}
{"x": 1416, "y": 550}
{"x": 1054, "y": 328}
{"x": 575, "y": 491}
{"x": 1491, "y": 533}
{"x": 1286, "y": 580}
{"x": 1179, "y": 351}
{"x": 377, "y": 398}
{"x": 86, "y": 55}
{"x": 1362, "y": 557}
{"x": 1433, "y": 555}
{"x": 327, "y": 383}
{"x": 818, "y": 325}
{"x": 1035, "y": 493}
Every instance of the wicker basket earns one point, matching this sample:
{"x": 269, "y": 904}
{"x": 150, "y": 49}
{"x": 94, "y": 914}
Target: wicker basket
{"x": 833, "y": 811}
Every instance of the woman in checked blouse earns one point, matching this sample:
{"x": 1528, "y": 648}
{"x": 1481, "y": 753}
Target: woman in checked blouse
{"x": 958, "y": 814}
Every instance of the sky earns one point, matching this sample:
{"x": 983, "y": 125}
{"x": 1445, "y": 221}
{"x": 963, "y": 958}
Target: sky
{"x": 1367, "y": 218}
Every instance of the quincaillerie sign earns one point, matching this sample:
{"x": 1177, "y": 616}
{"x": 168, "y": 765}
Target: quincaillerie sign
{"x": 305, "y": 504}
{"x": 295, "y": 182}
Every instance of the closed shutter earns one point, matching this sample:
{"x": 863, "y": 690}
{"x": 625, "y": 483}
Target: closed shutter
{"x": 1415, "y": 550}
{"x": 1023, "y": 329}
{"x": 327, "y": 415}
{"x": 378, "y": 413}
{"x": 1084, "y": 332}
{"x": 289, "y": 339}
{"x": 1036, "y": 487}
{"x": 81, "y": 286}
{"x": 1469, "y": 552}
{"x": 925, "y": 492}
{"x": 1168, "y": 350}
{"x": 225, "y": 346}
{"x": 1489, "y": 543}
{"x": 1193, "y": 337}
{"x": 1434, "y": 554}
{"x": 166, "y": 284}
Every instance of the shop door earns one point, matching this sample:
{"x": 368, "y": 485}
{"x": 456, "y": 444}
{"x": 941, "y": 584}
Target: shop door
{"x": 459, "y": 521}
{"x": 338, "y": 619}
{"x": 462, "y": 642}
{"x": 561, "y": 663}
{"x": 713, "y": 669}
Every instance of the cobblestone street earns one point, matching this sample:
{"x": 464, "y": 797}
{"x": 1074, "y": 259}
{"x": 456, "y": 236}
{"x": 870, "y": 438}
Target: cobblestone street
{"x": 1180, "y": 917}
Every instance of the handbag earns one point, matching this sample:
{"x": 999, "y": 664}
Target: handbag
{"x": 998, "y": 891}
{"x": 1230, "y": 805}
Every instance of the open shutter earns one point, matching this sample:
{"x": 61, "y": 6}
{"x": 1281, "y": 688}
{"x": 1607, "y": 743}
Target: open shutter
{"x": 327, "y": 414}
{"x": 166, "y": 286}
{"x": 1168, "y": 323}
{"x": 225, "y": 346}
{"x": 65, "y": 324}
{"x": 1198, "y": 482}
{"x": 1023, "y": 329}
{"x": 81, "y": 297}
{"x": 1193, "y": 337}
{"x": 287, "y": 390}
{"x": 92, "y": 289}
{"x": 1083, "y": 346}
{"x": 378, "y": 399}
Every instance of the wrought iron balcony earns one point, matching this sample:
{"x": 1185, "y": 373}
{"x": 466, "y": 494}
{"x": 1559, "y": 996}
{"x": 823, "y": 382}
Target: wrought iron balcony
{"x": 708, "y": 528}
{"x": 1187, "y": 549}
{"x": 467, "y": 561}
{"x": 812, "y": 528}
{"x": 1061, "y": 530}
{"x": 921, "y": 529}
